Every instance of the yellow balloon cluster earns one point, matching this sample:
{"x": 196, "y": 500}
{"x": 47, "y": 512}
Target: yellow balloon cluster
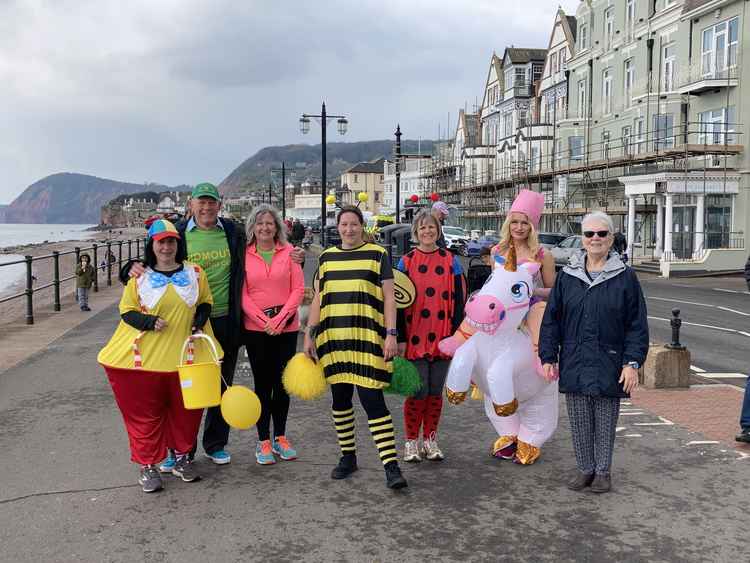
{"x": 330, "y": 199}
{"x": 240, "y": 407}
{"x": 362, "y": 196}
{"x": 303, "y": 378}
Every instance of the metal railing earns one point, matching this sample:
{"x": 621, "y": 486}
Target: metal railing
{"x": 32, "y": 286}
{"x": 693, "y": 245}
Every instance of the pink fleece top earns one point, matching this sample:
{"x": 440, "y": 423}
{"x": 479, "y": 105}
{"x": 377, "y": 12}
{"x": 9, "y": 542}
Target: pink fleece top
{"x": 280, "y": 284}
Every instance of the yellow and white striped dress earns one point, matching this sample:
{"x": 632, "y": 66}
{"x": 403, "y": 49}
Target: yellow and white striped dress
{"x": 351, "y": 333}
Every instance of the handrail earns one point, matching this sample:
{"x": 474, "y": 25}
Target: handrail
{"x": 57, "y": 280}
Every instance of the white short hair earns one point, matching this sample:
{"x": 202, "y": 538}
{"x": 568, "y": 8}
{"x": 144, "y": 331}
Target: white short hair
{"x": 601, "y": 217}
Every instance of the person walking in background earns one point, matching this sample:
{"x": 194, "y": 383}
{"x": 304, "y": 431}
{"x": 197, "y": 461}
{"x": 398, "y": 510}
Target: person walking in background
{"x": 84, "y": 280}
{"x": 273, "y": 290}
{"x": 620, "y": 245}
{"x": 436, "y": 313}
{"x": 218, "y": 246}
{"x": 595, "y": 328}
{"x": 159, "y": 310}
{"x": 352, "y": 332}
{"x": 298, "y": 232}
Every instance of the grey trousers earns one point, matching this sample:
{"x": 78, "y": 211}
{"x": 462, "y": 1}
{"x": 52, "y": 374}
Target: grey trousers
{"x": 433, "y": 376}
{"x": 82, "y": 294}
{"x": 593, "y": 422}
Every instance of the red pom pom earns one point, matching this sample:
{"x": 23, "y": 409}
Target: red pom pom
{"x": 434, "y": 196}
{"x": 414, "y": 198}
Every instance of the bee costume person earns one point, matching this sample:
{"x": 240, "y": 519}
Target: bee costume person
{"x": 352, "y": 332}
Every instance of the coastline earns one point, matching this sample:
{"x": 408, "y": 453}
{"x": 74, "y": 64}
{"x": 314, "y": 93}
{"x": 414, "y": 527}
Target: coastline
{"x": 43, "y": 270}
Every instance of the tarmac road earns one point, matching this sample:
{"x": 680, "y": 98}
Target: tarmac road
{"x": 69, "y": 492}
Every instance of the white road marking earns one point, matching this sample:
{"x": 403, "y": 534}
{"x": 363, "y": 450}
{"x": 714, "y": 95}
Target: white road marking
{"x": 678, "y": 301}
{"x": 697, "y": 369}
{"x": 639, "y": 413}
{"x": 664, "y": 422}
{"x": 724, "y": 375}
{"x": 731, "y": 290}
{"x": 632, "y": 435}
{"x": 701, "y": 442}
{"x": 721, "y": 328}
{"x": 619, "y": 428}
{"x": 734, "y": 311}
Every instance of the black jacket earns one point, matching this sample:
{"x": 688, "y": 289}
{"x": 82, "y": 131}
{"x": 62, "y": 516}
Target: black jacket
{"x": 747, "y": 272}
{"x": 236, "y": 240}
{"x": 592, "y": 329}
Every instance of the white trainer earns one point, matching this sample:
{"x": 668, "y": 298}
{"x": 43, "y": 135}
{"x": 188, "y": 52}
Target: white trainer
{"x": 431, "y": 450}
{"x": 411, "y": 451}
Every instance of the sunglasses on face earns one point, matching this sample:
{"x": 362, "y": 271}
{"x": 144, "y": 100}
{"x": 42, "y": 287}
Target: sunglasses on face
{"x": 600, "y": 234}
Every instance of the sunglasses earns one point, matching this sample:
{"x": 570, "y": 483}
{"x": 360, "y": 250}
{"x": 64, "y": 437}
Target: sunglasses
{"x": 600, "y": 234}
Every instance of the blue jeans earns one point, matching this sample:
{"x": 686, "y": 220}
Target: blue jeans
{"x": 745, "y": 414}
{"x": 82, "y": 295}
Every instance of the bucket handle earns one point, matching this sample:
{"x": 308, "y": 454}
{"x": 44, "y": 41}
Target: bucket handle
{"x": 189, "y": 340}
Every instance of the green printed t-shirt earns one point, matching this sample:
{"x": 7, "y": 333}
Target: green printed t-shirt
{"x": 210, "y": 250}
{"x": 267, "y": 255}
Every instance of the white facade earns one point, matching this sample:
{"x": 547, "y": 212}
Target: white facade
{"x": 413, "y": 169}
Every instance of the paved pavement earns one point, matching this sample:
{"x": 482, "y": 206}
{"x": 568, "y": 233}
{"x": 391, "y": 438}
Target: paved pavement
{"x": 69, "y": 492}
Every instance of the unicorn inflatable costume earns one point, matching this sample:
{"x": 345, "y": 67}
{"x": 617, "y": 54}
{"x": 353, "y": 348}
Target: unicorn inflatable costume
{"x": 499, "y": 359}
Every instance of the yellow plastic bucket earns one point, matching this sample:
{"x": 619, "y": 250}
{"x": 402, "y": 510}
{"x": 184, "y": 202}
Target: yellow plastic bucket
{"x": 201, "y": 382}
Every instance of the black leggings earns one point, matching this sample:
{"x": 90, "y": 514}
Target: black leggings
{"x": 372, "y": 400}
{"x": 268, "y": 356}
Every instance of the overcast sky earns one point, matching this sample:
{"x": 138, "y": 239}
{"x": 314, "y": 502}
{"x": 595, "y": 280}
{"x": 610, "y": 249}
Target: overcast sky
{"x": 182, "y": 91}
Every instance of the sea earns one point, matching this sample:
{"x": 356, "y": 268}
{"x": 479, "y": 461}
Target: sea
{"x": 13, "y": 234}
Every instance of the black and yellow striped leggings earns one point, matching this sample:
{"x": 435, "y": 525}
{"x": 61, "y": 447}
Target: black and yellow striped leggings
{"x": 378, "y": 419}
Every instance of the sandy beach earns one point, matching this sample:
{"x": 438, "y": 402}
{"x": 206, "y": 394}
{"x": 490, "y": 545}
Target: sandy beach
{"x": 43, "y": 270}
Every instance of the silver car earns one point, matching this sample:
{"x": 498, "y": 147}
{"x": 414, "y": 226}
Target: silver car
{"x": 563, "y": 251}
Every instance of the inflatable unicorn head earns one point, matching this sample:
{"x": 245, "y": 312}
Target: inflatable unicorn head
{"x": 502, "y": 303}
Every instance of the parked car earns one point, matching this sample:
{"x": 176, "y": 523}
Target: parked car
{"x": 475, "y": 246}
{"x": 563, "y": 251}
{"x": 456, "y": 239}
{"x": 548, "y": 240}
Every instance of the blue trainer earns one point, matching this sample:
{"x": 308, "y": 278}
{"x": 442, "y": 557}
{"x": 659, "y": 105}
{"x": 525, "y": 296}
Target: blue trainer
{"x": 219, "y": 457}
{"x": 264, "y": 453}
{"x": 283, "y": 449}
{"x": 168, "y": 464}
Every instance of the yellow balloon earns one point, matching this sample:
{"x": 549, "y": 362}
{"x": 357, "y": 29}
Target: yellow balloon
{"x": 362, "y": 196}
{"x": 240, "y": 407}
{"x": 331, "y": 199}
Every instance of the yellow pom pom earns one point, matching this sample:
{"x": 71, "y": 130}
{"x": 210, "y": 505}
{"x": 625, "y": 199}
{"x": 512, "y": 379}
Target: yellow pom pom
{"x": 476, "y": 393}
{"x": 330, "y": 199}
{"x": 362, "y": 196}
{"x": 303, "y": 378}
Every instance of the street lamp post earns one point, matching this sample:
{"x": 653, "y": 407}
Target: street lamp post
{"x": 283, "y": 187}
{"x": 304, "y": 125}
{"x": 398, "y": 173}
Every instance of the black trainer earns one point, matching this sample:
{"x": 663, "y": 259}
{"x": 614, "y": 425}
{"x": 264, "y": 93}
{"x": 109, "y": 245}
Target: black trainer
{"x": 393, "y": 477}
{"x": 347, "y": 465}
{"x": 150, "y": 479}
{"x": 184, "y": 468}
{"x": 743, "y": 436}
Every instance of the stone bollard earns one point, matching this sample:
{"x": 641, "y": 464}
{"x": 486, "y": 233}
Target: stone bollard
{"x": 666, "y": 367}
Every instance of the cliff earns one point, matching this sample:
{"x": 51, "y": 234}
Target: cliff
{"x": 66, "y": 198}
{"x": 303, "y": 161}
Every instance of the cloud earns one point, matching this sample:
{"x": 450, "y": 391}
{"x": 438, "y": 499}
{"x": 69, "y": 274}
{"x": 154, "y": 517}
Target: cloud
{"x": 177, "y": 91}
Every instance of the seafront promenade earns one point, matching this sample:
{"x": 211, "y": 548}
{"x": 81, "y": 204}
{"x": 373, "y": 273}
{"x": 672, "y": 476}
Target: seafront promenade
{"x": 69, "y": 492}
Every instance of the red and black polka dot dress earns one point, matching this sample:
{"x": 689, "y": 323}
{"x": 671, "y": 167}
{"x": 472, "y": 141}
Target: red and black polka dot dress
{"x": 431, "y": 317}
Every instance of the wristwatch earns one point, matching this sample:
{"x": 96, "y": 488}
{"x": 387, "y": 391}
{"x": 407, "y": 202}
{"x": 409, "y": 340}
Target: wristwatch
{"x": 392, "y": 332}
{"x": 634, "y": 365}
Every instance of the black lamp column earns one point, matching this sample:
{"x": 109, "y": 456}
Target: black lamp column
{"x": 305, "y": 128}
{"x": 283, "y": 188}
{"x": 398, "y": 173}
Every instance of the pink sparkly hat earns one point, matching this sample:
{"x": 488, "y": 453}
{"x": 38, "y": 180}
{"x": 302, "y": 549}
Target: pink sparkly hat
{"x": 530, "y": 204}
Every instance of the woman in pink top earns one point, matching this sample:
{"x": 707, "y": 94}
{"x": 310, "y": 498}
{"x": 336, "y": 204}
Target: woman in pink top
{"x": 273, "y": 290}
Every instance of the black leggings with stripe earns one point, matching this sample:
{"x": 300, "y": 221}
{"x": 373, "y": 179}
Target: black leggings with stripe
{"x": 378, "y": 417}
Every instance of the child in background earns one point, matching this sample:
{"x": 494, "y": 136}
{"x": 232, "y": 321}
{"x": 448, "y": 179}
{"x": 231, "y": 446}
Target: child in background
{"x": 84, "y": 280}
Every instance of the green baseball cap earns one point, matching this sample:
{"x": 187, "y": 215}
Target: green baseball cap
{"x": 205, "y": 190}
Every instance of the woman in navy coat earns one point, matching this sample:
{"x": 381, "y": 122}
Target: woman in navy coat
{"x": 595, "y": 329}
